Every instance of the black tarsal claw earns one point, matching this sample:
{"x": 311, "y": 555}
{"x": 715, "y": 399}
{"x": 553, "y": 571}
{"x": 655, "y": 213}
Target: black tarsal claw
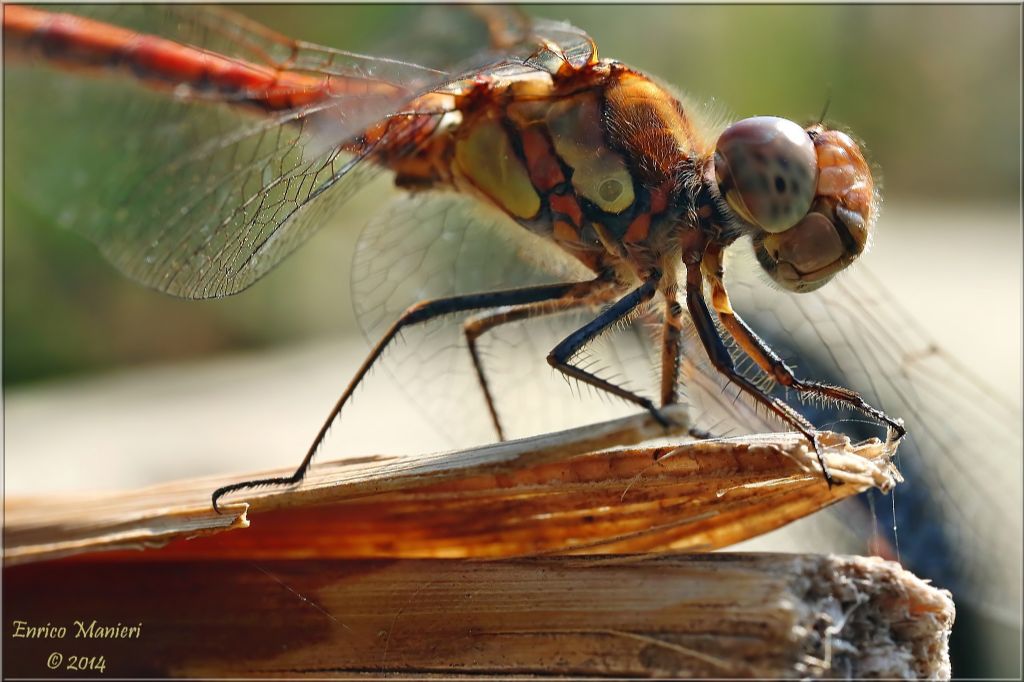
{"x": 221, "y": 492}
{"x": 660, "y": 417}
{"x": 701, "y": 434}
{"x": 248, "y": 485}
{"x": 217, "y": 494}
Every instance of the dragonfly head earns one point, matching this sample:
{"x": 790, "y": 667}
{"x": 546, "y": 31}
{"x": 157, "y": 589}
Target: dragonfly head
{"x": 807, "y": 192}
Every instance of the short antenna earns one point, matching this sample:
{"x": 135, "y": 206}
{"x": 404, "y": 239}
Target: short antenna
{"x": 828, "y": 102}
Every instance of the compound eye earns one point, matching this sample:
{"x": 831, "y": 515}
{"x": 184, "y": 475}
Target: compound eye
{"x": 804, "y": 257}
{"x": 767, "y": 170}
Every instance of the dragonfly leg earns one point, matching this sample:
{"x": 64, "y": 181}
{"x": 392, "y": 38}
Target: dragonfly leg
{"x": 774, "y": 366}
{"x": 560, "y": 357}
{"x": 723, "y": 362}
{"x": 477, "y": 325}
{"x": 769, "y": 362}
{"x": 415, "y": 314}
{"x": 671, "y": 345}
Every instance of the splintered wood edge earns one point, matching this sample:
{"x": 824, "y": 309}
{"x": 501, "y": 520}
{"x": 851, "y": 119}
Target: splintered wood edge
{"x": 884, "y": 620}
{"x": 44, "y": 528}
{"x": 726, "y": 615}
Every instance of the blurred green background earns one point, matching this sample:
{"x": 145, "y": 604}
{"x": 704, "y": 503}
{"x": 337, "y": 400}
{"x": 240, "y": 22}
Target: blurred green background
{"x": 933, "y": 90}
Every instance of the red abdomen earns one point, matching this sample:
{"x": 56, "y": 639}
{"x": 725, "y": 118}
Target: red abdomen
{"x": 79, "y": 43}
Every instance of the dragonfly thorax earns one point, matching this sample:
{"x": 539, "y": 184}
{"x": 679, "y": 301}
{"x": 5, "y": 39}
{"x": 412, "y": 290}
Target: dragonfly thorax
{"x": 603, "y": 162}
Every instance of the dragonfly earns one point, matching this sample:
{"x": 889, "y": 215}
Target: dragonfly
{"x": 232, "y": 144}
{"x": 586, "y": 152}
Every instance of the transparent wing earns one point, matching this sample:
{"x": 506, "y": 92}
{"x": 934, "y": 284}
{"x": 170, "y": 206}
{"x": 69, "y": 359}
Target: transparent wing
{"x": 482, "y": 35}
{"x": 187, "y": 192}
{"x": 429, "y": 246}
{"x": 958, "y": 513}
{"x": 498, "y": 41}
{"x": 573, "y": 43}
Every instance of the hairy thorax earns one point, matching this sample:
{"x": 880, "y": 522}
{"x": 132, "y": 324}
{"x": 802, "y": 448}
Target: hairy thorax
{"x": 605, "y": 162}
